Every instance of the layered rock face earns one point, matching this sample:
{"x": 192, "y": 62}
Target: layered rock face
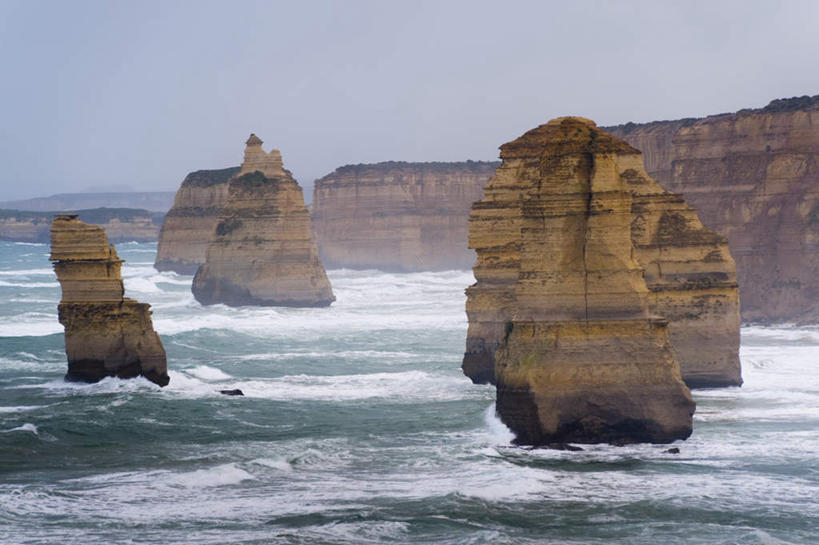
{"x": 398, "y": 216}
{"x": 753, "y": 176}
{"x": 261, "y": 251}
{"x": 687, "y": 269}
{"x": 106, "y": 334}
{"x": 186, "y": 231}
{"x": 580, "y": 356}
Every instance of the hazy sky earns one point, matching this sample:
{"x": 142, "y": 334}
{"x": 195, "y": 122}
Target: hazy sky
{"x": 139, "y": 93}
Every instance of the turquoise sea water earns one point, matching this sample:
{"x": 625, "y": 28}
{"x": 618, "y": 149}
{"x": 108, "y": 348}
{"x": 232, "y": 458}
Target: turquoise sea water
{"x": 358, "y": 427}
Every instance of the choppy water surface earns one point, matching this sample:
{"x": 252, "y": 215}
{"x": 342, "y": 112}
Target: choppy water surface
{"x": 358, "y": 427}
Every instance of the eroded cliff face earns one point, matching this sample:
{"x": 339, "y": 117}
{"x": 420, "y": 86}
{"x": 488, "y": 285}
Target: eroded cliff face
{"x": 261, "y": 251}
{"x": 106, "y": 334}
{"x": 752, "y": 176}
{"x": 686, "y": 267}
{"x": 580, "y": 356}
{"x": 398, "y": 216}
{"x": 188, "y": 225}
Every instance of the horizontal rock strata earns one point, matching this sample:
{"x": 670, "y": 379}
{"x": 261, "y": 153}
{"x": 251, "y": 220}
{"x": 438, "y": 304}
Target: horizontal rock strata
{"x": 106, "y": 334}
{"x": 261, "y": 251}
{"x": 580, "y": 357}
{"x": 687, "y": 268}
{"x": 188, "y": 225}
{"x": 752, "y": 176}
{"x": 398, "y": 216}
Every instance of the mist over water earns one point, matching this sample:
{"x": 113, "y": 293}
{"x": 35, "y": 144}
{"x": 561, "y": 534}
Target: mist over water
{"x": 357, "y": 426}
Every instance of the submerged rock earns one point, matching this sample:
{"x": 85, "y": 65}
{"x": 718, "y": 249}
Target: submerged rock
{"x": 561, "y": 310}
{"x": 686, "y": 267}
{"x": 261, "y": 251}
{"x": 234, "y": 392}
{"x": 106, "y": 334}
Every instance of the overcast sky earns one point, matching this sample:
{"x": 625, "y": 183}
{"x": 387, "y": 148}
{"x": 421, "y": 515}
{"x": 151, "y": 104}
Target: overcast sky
{"x": 116, "y": 93}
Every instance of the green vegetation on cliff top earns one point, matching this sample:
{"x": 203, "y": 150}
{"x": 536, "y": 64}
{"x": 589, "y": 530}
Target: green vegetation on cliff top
{"x": 778, "y": 105}
{"x": 207, "y": 178}
{"x": 433, "y": 166}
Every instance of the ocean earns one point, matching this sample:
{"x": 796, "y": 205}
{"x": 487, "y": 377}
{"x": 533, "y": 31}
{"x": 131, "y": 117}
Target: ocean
{"x": 357, "y": 426}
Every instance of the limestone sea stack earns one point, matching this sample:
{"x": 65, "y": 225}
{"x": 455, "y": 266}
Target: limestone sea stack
{"x": 581, "y": 356}
{"x": 261, "y": 250}
{"x": 687, "y": 268}
{"x": 398, "y": 216}
{"x": 185, "y": 233}
{"x": 106, "y": 334}
{"x": 753, "y": 176}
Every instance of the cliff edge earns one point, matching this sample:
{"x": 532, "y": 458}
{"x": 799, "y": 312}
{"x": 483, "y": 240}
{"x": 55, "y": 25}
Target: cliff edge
{"x": 183, "y": 239}
{"x": 398, "y": 216}
{"x": 752, "y": 176}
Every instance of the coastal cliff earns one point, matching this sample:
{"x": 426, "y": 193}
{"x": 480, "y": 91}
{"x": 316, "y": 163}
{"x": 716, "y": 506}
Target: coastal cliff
{"x": 398, "y": 216}
{"x": 261, "y": 251}
{"x": 183, "y": 239}
{"x": 121, "y": 224}
{"x": 106, "y": 334}
{"x": 687, "y": 268}
{"x": 581, "y": 355}
{"x": 752, "y": 176}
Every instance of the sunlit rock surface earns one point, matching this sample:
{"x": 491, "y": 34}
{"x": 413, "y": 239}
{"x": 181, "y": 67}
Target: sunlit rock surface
{"x": 561, "y": 315}
{"x": 106, "y": 334}
{"x": 687, "y": 269}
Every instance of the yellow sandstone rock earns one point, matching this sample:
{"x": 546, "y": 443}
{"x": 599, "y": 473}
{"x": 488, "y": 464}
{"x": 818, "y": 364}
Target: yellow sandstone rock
{"x": 752, "y": 177}
{"x": 687, "y": 268}
{"x": 261, "y": 251}
{"x": 106, "y": 334}
{"x": 561, "y": 308}
{"x": 185, "y": 233}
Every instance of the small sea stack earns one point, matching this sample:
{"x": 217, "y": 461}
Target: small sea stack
{"x": 261, "y": 251}
{"x": 106, "y": 334}
{"x": 561, "y": 307}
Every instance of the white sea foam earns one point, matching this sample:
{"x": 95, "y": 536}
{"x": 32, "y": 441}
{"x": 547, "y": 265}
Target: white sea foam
{"x": 108, "y": 385}
{"x": 29, "y": 427}
{"x": 207, "y": 373}
{"x": 141, "y": 285}
{"x": 363, "y": 355}
{"x": 28, "y": 272}
{"x": 21, "y": 284}
{"x": 31, "y": 324}
{"x": 274, "y": 463}
{"x": 21, "y": 408}
{"x": 221, "y": 475}
{"x": 497, "y": 430}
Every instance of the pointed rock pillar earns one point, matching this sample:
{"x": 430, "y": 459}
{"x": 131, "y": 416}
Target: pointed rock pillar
{"x": 261, "y": 251}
